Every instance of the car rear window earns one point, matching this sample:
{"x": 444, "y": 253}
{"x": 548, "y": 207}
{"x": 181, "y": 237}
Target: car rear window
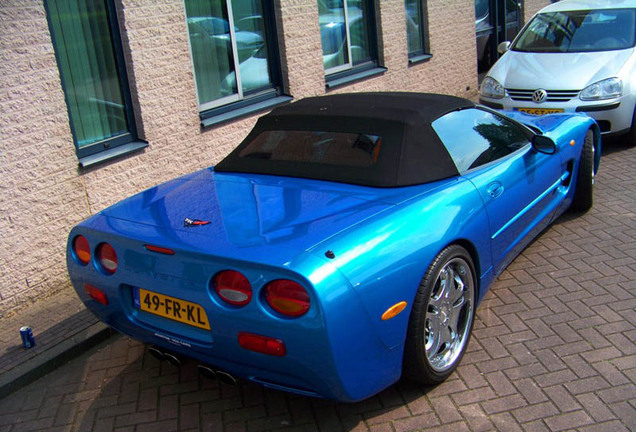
{"x": 320, "y": 147}
{"x": 579, "y": 31}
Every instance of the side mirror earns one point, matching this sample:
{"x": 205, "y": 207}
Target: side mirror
{"x": 543, "y": 144}
{"x": 503, "y": 47}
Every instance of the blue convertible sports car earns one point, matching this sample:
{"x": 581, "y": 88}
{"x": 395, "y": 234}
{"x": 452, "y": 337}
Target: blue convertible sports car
{"x": 344, "y": 243}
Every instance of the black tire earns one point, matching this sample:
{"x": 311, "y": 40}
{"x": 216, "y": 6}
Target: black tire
{"x": 428, "y": 359}
{"x": 631, "y": 135}
{"x": 584, "y": 188}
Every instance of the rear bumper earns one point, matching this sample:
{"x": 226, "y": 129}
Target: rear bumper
{"x": 225, "y": 354}
{"x": 364, "y": 367}
{"x": 332, "y": 352}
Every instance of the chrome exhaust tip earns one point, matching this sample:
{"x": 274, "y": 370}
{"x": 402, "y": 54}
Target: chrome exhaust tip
{"x": 225, "y": 378}
{"x": 159, "y": 354}
{"x": 156, "y": 353}
{"x": 222, "y": 376}
{"x": 173, "y": 359}
{"x": 206, "y": 371}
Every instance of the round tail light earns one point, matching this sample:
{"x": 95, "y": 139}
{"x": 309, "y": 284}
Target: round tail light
{"x": 82, "y": 250}
{"x": 287, "y": 297}
{"x": 233, "y": 287}
{"x": 107, "y": 258}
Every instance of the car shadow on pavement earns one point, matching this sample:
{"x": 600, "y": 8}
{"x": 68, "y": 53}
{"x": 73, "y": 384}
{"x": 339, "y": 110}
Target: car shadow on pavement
{"x": 615, "y": 144}
{"x": 122, "y": 385}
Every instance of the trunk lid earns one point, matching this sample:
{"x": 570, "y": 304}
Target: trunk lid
{"x": 261, "y": 218}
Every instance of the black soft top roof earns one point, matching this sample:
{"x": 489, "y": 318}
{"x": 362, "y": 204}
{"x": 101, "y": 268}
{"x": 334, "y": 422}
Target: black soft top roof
{"x": 411, "y": 151}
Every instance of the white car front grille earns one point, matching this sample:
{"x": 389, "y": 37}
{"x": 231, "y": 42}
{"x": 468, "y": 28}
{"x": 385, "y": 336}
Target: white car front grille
{"x": 552, "y": 95}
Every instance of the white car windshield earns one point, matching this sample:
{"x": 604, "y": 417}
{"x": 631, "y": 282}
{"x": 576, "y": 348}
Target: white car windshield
{"x": 579, "y": 31}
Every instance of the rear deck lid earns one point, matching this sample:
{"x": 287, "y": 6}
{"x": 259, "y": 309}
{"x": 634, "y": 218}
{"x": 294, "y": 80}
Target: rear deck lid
{"x": 262, "y": 218}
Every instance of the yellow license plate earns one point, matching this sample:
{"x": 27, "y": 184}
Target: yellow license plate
{"x": 172, "y": 308}
{"x": 540, "y": 111}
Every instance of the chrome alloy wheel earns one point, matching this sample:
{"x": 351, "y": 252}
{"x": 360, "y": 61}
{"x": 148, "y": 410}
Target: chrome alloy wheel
{"x": 449, "y": 314}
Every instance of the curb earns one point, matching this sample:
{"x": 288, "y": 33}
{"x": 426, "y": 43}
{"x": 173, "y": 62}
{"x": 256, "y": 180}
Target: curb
{"x": 52, "y": 358}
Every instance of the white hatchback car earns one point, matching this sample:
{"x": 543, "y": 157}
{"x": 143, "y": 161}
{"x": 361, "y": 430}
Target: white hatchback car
{"x": 572, "y": 56}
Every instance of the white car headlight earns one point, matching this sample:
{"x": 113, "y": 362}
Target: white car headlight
{"x": 491, "y": 88}
{"x": 607, "y": 89}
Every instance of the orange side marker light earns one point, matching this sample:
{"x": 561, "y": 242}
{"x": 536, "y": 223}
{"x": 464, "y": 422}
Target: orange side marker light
{"x": 393, "y": 310}
{"x": 572, "y": 143}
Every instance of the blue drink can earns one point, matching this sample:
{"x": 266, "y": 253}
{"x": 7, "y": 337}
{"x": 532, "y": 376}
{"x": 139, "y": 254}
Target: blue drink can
{"x": 28, "y": 341}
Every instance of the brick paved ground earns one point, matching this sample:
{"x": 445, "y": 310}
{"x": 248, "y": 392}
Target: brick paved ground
{"x": 48, "y": 319}
{"x": 61, "y": 325}
{"x": 554, "y": 349}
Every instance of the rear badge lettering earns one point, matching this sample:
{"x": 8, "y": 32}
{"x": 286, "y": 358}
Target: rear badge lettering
{"x": 173, "y": 341}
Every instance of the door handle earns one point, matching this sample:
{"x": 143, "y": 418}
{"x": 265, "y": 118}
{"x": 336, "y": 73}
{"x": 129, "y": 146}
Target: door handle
{"x": 495, "y": 190}
{"x": 565, "y": 176}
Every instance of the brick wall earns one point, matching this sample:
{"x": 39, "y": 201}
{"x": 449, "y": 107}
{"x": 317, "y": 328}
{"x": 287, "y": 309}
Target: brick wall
{"x": 532, "y": 6}
{"x": 43, "y": 193}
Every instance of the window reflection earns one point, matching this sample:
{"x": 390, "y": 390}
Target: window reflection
{"x": 502, "y": 137}
{"x": 579, "y": 31}
{"x": 344, "y": 33}
{"x": 228, "y": 41}
{"x": 415, "y": 30}
{"x": 474, "y": 137}
{"x": 88, "y": 66}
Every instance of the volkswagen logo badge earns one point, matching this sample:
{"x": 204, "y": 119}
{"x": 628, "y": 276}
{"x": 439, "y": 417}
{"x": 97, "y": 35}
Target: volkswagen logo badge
{"x": 539, "y": 96}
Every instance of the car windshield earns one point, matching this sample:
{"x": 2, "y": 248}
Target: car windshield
{"x": 579, "y": 31}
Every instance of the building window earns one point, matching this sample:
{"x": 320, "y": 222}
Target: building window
{"x": 86, "y": 39}
{"x": 417, "y": 30}
{"x": 233, "y": 52}
{"x": 349, "y": 41}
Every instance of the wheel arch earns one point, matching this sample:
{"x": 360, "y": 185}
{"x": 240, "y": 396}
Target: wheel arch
{"x": 474, "y": 255}
{"x": 470, "y": 247}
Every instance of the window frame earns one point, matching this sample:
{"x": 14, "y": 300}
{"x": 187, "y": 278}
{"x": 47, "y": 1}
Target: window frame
{"x": 120, "y": 145}
{"x": 424, "y": 53}
{"x": 240, "y": 104}
{"x": 344, "y": 74}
